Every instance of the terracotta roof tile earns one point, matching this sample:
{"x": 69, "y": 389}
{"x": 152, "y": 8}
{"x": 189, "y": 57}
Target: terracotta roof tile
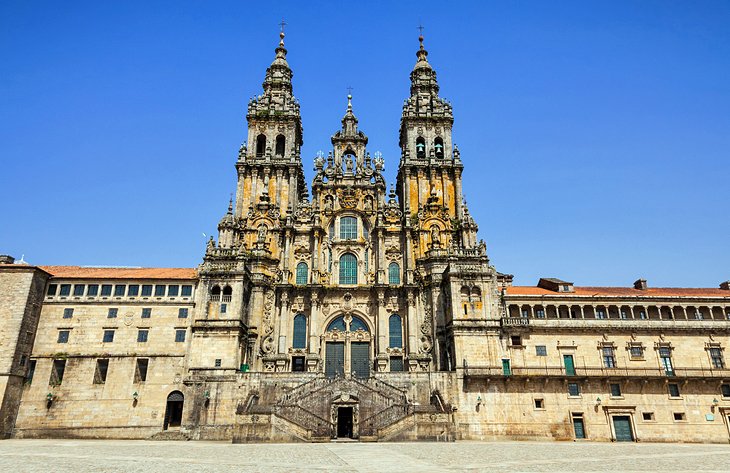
{"x": 621, "y": 292}
{"x": 82, "y": 272}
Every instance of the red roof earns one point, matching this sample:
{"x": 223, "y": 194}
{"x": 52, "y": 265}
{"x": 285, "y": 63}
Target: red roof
{"x": 621, "y": 292}
{"x": 81, "y": 272}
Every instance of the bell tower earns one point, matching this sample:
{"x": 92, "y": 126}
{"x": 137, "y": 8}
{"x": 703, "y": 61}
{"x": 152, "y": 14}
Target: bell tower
{"x": 269, "y": 162}
{"x": 429, "y": 174}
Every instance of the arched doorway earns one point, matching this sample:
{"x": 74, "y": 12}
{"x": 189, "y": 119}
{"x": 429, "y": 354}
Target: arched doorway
{"x": 174, "y": 410}
{"x": 347, "y": 347}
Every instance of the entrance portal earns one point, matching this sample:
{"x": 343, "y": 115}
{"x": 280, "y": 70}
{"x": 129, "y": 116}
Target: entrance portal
{"x": 344, "y": 422}
{"x": 622, "y": 427}
{"x": 174, "y": 409}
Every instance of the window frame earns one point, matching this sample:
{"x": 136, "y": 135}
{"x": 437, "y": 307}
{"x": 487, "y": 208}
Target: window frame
{"x": 348, "y": 269}
{"x": 348, "y": 227}
{"x": 143, "y": 331}
{"x": 108, "y": 335}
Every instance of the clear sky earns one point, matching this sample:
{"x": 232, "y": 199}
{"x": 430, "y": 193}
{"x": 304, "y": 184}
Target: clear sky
{"x": 595, "y": 135}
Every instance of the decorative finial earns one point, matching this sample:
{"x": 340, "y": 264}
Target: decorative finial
{"x": 281, "y": 35}
{"x": 420, "y": 34}
{"x": 349, "y": 97}
{"x": 230, "y": 204}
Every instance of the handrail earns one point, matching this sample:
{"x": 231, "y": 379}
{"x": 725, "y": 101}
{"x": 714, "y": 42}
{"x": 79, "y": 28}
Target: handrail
{"x": 682, "y": 372}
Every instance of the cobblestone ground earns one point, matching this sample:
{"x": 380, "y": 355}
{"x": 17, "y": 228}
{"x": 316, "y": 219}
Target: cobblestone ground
{"x": 81, "y": 456}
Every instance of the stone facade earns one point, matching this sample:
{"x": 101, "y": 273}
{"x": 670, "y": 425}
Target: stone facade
{"x": 361, "y": 311}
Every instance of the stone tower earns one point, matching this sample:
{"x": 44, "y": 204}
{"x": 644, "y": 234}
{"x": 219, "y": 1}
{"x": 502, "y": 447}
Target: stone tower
{"x": 457, "y": 284}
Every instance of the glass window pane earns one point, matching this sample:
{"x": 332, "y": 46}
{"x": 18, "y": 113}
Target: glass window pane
{"x": 394, "y": 273}
{"x": 396, "y": 331}
{"x": 172, "y": 290}
{"x": 302, "y": 274}
{"x": 106, "y": 289}
{"x": 348, "y": 228}
{"x": 133, "y": 290}
{"x": 119, "y": 290}
{"x": 300, "y": 331}
{"x": 187, "y": 290}
{"x": 348, "y": 269}
{"x": 93, "y": 290}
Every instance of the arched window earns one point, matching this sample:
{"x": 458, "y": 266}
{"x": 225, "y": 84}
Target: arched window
{"x": 438, "y": 145}
{"x": 393, "y": 273}
{"x": 358, "y": 324}
{"x": 348, "y": 269}
{"x": 348, "y": 228}
{"x": 420, "y": 147}
{"x": 396, "y": 331}
{"x": 280, "y": 141}
{"x": 260, "y": 145}
{"x": 337, "y": 324}
{"x": 216, "y": 291}
{"x": 300, "y": 331}
{"x": 302, "y": 275}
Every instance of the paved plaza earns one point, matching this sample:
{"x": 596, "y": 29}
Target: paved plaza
{"x": 81, "y": 456}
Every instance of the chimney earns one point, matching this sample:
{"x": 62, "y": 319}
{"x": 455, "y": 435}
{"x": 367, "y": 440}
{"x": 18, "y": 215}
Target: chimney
{"x": 725, "y": 285}
{"x": 640, "y": 284}
{"x": 6, "y": 259}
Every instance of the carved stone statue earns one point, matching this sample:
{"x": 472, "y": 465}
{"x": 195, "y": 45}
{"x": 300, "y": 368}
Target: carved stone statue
{"x": 262, "y": 234}
{"x": 436, "y": 236}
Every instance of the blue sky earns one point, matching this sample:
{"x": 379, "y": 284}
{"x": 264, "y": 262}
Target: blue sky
{"x": 595, "y": 135}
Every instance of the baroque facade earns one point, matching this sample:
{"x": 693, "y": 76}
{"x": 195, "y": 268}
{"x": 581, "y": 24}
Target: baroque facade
{"x": 362, "y": 311}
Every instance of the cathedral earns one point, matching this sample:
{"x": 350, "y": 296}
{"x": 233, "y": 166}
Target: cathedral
{"x": 360, "y": 310}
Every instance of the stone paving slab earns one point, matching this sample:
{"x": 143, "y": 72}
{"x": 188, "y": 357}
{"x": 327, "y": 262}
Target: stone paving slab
{"x": 82, "y": 456}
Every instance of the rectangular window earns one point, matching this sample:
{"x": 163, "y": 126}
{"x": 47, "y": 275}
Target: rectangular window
{"x": 223, "y": 308}
{"x": 31, "y": 371}
{"x": 93, "y": 290}
{"x": 119, "y": 290}
{"x": 65, "y": 290}
{"x": 725, "y": 390}
{"x": 218, "y": 362}
{"x": 180, "y": 335}
{"x": 642, "y": 315}
{"x": 540, "y": 350}
{"x": 68, "y": 313}
{"x": 106, "y": 289}
{"x": 297, "y": 363}
{"x": 79, "y": 289}
{"x": 187, "y": 290}
{"x": 102, "y": 366}
{"x": 146, "y": 313}
{"x": 636, "y": 352}
{"x": 665, "y": 357}
{"x": 615, "y": 390}
{"x": 63, "y": 336}
{"x": 573, "y": 389}
{"x": 108, "y": 336}
{"x": 159, "y": 290}
{"x": 140, "y": 372}
{"x": 716, "y": 358}
{"x": 146, "y": 290}
{"x": 609, "y": 360}
{"x": 679, "y": 417}
{"x": 142, "y": 335}
{"x": 348, "y": 228}
{"x": 516, "y": 340}
{"x": 539, "y": 403}
{"x": 647, "y": 416}
{"x": 182, "y": 313}
{"x": 524, "y": 313}
{"x": 133, "y": 290}
{"x": 112, "y": 314}
{"x": 540, "y": 313}
{"x": 673, "y": 389}
{"x": 59, "y": 366}
{"x": 52, "y": 288}
{"x": 396, "y": 363}
{"x": 173, "y": 290}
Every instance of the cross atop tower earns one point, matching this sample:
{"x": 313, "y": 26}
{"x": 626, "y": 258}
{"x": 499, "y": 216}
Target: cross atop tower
{"x": 282, "y": 24}
{"x": 349, "y": 90}
{"x": 420, "y": 29}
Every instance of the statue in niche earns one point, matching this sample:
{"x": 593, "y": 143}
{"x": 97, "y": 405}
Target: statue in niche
{"x": 368, "y": 202}
{"x": 338, "y": 163}
{"x": 435, "y": 236}
{"x": 262, "y": 234}
{"x": 348, "y": 163}
{"x": 328, "y": 202}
